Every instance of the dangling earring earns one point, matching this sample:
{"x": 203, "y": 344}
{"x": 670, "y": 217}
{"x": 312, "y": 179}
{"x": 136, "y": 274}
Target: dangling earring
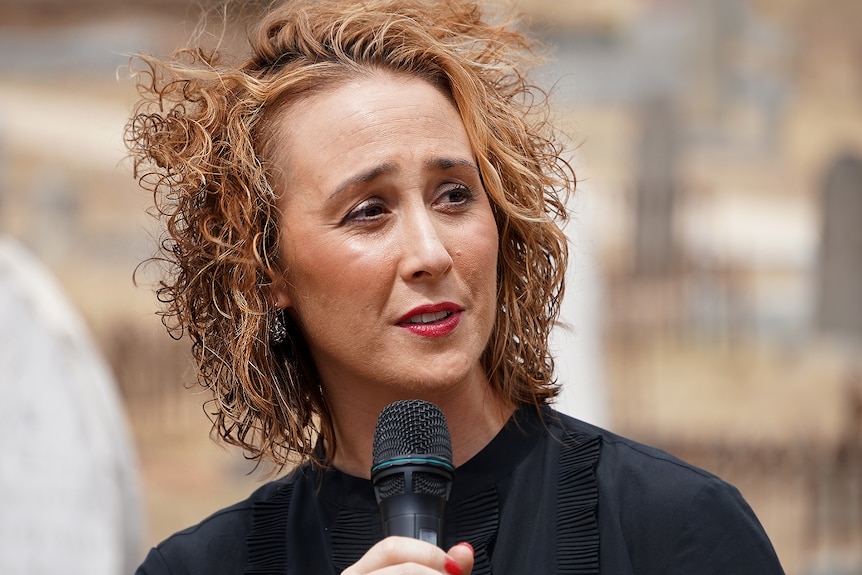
{"x": 277, "y": 329}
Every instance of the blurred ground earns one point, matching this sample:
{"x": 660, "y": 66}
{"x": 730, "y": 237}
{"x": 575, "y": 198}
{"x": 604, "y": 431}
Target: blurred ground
{"x": 718, "y": 358}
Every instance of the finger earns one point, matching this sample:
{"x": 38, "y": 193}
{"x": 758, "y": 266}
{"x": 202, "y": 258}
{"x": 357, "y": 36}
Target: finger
{"x": 463, "y": 556}
{"x": 399, "y": 551}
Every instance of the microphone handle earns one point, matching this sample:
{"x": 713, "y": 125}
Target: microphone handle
{"x": 416, "y": 515}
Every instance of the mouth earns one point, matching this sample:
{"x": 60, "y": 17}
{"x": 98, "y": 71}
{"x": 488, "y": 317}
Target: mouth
{"x": 430, "y": 314}
{"x": 432, "y": 321}
{"x": 426, "y": 318}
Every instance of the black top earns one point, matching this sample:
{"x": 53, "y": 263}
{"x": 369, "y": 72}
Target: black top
{"x": 549, "y": 494}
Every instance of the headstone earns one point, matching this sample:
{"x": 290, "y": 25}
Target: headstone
{"x": 840, "y": 273}
{"x": 654, "y": 228}
{"x": 718, "y": 31}
{"x": 68, "y": 481}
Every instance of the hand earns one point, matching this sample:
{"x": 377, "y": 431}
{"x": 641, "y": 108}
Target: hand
{"x": 406, "y": 556}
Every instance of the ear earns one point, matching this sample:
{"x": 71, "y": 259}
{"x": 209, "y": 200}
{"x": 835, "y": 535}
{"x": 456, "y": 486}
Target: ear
{"x": 279, "y": 293}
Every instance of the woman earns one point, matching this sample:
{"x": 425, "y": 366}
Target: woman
{"x": 365, "y": 210}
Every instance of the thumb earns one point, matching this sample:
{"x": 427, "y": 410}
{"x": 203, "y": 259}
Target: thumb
{"x": 462, "y": 553}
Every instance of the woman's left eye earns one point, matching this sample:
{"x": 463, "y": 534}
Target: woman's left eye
{"x": 370, "y": 210}
{"x": 455, "y": 195}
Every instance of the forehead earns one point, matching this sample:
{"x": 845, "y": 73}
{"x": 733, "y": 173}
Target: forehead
{"x": 379, "y": 118}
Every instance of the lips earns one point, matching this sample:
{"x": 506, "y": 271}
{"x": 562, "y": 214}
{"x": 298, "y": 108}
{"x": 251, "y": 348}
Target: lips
{"x": 424, "y": 318}
{"x": 434, "y": 320}
{"x": 429, "y": 313}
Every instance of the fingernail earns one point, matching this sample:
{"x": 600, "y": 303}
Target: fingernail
{"x": 452, "y": 568}
{"x": 467, "y": 545}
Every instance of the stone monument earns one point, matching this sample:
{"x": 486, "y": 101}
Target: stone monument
{"x": 68, "y": 479}
{"x": 656, "y": 189}
{"x": 840, "y": 274}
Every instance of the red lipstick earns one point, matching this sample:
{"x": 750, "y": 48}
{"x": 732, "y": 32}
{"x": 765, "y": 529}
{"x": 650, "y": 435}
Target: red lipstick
{"x": 432, "y": 321}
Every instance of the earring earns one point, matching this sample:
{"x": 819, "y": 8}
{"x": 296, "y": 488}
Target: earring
{"x": 277, "y": 329}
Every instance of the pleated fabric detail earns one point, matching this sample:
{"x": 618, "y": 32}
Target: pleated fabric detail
{"x": 354, "y": 531}
{"x": 267, "y": 548}
{"x": 577, "y": 506}
{"x": 352, "y": 535}
{"x": 478, "y": 521}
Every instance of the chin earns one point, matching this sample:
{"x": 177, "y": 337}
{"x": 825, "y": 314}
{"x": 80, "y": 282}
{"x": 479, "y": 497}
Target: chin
{"x": 439, "y": 382}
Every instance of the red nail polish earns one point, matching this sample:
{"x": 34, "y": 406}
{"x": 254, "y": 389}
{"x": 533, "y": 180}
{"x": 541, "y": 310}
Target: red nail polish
{"x": 468, "y": 546}
{"x": 452, "y": 568}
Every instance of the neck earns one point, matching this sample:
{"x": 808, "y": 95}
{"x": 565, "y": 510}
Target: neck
{"x": 474, "y": 414}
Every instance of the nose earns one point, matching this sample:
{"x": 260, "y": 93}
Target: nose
{"x": 424, "y": 251}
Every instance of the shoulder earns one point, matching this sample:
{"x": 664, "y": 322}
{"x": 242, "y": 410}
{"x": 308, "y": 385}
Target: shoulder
{"x": 634, "y": 465}
{"x": 643, "y": 478}
{"x": 215, "y": 545}
{"x": 658, "y": 510}
{"x": 636, "y": 481}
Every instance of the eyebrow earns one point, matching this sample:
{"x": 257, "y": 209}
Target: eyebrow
{"x": 388, "y": 168}
{"x": 364, "y": 177}
{"x": 448, "y": 163}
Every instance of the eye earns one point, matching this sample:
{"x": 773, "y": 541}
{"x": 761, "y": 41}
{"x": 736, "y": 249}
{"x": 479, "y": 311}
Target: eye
{"x": 367, "y": 211}
{"x": 455, "y": 195}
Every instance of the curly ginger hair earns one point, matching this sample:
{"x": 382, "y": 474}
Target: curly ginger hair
{"x": 200, "y": 136}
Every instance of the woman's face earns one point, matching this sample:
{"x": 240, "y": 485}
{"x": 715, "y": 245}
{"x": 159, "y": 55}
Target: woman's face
{"x": 389, "y": 244}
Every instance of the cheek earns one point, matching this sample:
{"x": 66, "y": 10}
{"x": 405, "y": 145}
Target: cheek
{"x": 490, "y": 241}
{"x": 341, "y": 274}
{"x": 479, "y": 258}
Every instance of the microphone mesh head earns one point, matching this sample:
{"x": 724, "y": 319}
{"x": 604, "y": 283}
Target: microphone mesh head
{"x": 412, "y": 428}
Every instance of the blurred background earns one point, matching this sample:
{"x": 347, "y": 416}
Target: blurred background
{"x": 715, "y": 300}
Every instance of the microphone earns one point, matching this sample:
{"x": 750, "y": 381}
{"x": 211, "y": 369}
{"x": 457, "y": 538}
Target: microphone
{"x": 412, "y": 469}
